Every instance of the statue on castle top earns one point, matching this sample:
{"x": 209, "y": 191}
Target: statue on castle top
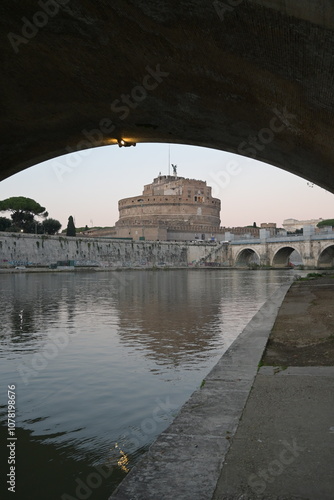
{"x": 174, "y": 169}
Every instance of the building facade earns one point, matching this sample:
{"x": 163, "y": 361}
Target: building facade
{"x": 170, "y": 208}
{"x": 292, "y": 225}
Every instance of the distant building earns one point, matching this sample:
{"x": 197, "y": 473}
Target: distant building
{"x": 271, "y": 227}
{"x": 248, "y": 231}
{"x": 268, "y": 225}
{"x": 291, "y": 225}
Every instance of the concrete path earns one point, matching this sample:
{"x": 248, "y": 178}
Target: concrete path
{"x": 186, "y": 460}
{"x": 284, "y": 446}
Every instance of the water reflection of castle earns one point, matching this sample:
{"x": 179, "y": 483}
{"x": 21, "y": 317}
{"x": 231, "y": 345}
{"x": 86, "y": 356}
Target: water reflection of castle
{"x": 177, "y": 318}
{"x": 173, "y": 318}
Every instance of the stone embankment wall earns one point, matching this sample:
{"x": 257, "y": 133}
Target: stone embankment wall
{"x": 40, "y": 250}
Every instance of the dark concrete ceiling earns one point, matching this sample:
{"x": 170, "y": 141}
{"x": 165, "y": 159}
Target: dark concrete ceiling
{"x": 254, "y": 77}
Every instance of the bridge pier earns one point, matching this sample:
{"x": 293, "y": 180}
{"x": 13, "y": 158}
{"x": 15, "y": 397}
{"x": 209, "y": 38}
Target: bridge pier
{"x": 265, "y": 259}
{"x": 264, "y": 253}
{"x": 308, "y": 251}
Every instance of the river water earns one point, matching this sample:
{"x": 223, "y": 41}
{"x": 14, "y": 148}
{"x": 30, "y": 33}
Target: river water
{"x": 102, "y": 362}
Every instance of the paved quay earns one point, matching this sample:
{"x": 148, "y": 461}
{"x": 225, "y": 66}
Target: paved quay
{"x": 283, "y": 448}
{"x": 255, "y": 433}
{"x": 186, "y": 460}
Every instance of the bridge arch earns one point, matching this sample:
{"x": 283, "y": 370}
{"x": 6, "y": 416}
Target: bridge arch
{"x": 326, "y": 257}
{"x": 262, "y": 103}
{"x": 247, "y": 257}
{"x": 281, "y": 257}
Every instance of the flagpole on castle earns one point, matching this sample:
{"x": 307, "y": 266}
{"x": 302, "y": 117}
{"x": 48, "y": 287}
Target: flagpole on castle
{"x": 169, "y": 159}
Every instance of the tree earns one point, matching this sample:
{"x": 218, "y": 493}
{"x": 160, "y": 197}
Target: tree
{"x": 50, "y": 226}
{"x": 70, "y": 231}
{"x": 326, "y": 222}
{"x": 21, "y": 204}
{"x": 22, "y": 212}
{"x": 5, "y": 223}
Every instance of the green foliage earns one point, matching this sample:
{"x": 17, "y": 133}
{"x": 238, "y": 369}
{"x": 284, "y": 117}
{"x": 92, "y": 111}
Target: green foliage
{"x": 70, "y": 231}
{"x": 86, "y": 228}
{"x": 83, "y": 229}
{"x": 311, "y": 276}
{"x": 21, "y": 204}
{"x": 22, "y": 212}
{"x": 5, "y": 223}
{"x": 326, "y": 222}
{"x": 51, "y": 226}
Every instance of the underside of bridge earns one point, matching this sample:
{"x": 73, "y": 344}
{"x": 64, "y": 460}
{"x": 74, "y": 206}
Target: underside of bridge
{"x": 282, "y": 257}
{"x": 253, "y": 77}
{"x": 247, "y": 257}
{"x": 326, "y": 258}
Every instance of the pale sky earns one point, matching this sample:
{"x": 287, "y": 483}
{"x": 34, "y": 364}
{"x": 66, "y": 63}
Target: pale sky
{"x": 89, "y": 184}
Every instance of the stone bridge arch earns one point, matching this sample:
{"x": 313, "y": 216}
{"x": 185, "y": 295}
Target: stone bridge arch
{"x": 281, "y": 257}
{"x": 247, "y": 257}
{"x": 326, "y": 257}
{"x": 106, "y": 72}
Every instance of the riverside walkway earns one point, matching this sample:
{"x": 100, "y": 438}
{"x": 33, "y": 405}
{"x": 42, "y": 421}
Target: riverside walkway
{"x": 256, "y": 433}
{"x": 284, "y": 445}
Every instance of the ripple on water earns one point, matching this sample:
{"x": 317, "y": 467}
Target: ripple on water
{"x": 127, "y": 353}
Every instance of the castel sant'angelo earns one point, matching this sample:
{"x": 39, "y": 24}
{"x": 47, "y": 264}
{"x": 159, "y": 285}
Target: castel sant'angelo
{"x": 170, "y": 208}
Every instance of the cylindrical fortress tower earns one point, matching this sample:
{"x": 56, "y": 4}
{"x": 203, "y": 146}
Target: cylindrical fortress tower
{"x": 171, "y": 201}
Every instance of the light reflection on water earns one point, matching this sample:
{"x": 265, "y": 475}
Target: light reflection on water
{"x": 132, "y": 351}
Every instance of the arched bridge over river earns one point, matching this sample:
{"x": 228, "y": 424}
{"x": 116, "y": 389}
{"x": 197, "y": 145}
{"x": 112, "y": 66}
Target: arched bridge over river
{"x": 316, "y": 251}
